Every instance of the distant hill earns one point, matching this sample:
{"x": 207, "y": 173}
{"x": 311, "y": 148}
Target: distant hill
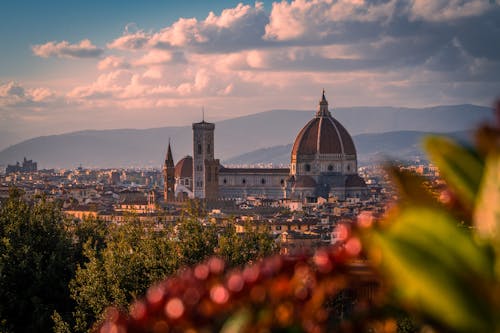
{"x": 146, "y": 147}
{"x": 395, "y": 145}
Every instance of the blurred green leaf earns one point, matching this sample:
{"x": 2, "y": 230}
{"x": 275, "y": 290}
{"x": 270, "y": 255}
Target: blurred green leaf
{"x": 487, "y": 212}
{"x": 238, "y": 322}
{"x": 428, "y": 285}
{"x": 410, "y": 186}
{"x": 434, "y": 264}
{"x": 460, "y": 166}
{"x": 438, "y": 232}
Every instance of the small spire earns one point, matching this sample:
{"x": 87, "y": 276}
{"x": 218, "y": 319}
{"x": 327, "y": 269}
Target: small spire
{"x": 203, "y": 114}
{"x": 323, "y": 106}
{"x": 169, "y": 161}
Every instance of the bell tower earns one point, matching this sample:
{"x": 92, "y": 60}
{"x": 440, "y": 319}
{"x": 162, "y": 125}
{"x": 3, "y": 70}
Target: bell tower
{"x": 205, "y": 166}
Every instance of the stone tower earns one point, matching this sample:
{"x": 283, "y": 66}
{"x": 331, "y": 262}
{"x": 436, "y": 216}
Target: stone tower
{"x": 205, "y": 166}
{"x": 169, "y": 177}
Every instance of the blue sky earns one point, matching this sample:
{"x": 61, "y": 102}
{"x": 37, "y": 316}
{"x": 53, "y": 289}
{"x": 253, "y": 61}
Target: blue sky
{"x": 25, "y": 23}
{"x": 74, "y": 65}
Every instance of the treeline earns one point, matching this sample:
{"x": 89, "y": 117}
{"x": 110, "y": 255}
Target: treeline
{"x": 60, "y": 275}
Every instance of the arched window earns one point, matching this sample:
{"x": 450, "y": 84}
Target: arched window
{"x": 199, "y": 148}
{"x": 244, "y": 181}
{"x": 282, "y": 181}
{"x": 308, "y": 167}
{"x": 224, "y": 181}
{"x": 208, "y": 148}
{"x": 262, "y": 181}
{"x": 330, "y": 167}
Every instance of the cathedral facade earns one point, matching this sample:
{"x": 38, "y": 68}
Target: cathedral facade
{"x": 323, "y": 164}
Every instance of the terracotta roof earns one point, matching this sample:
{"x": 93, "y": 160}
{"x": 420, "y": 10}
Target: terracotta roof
{"x": 134, "y": 201}
{"x": 324, "y": 135}
{"x": 354, "y": 181}
{"x": 184, "y": 168}
{"x": 305, "y": 181}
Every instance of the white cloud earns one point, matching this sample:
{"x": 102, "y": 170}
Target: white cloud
{"x": 130, "y": 41}
{"x": 112, "y": 62}
{"x": 84, "y": 49}
{"x": 106, "y": 85}
{"x": 233, "y": 29}
{"x": 13, "y": 94}
{"x": 41, "y": 94}
{"x": 366, "y": 52}
{"x": 317, "y": 19}
{"x": 444, "y": 10}
{"x": 154, "y": 57}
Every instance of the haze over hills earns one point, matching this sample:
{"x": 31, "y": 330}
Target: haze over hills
{"x": 394, "y": 145}
{"x": 234, "y": 137}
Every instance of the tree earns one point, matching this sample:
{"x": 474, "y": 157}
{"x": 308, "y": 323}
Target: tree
{"x": 195, "y": 241}
{"x": 438, "y": 260}
{"x": 134, "y": 256}
{"x": 240, "y": 249}
{"x": 36, "y": 264}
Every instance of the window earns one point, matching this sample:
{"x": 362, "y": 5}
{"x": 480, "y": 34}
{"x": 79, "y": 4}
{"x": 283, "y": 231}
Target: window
{"x": 348, "y": 167}
{"x": 330, "y": 167}
{"x": 208, "y": 148}
{"x": 262, "y": 181}
{"x": 307, "y": 167}
{"x": 224, "y": 181}
{"x": 199, "y": 148}
{"x": 282, "y": 181}
{"x": 244, "y": 181}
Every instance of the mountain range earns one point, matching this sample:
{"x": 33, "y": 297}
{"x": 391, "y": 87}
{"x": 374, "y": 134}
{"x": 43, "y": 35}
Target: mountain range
{"x": 376, "y": 130}
{"x": 369, "y": 147}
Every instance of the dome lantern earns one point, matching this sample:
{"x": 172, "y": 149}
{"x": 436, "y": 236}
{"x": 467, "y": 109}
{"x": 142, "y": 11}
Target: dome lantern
{"x": 323, "y": 107}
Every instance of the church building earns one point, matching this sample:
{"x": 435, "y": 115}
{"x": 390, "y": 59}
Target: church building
{"x": 323, "y": 164}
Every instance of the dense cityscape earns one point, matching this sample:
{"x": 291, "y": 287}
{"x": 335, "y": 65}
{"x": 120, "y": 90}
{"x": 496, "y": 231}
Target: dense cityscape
{"x": 297, "y": 225}
{"x": 242, "y": 166}
{"x": 296, "y": 210}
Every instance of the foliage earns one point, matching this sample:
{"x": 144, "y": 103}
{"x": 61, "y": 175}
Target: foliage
{"x": 438, "y": 256}
{"x": 36, "y": 264}
{"x": 195, "y": 241}
{"x": 134, "y": 256}
{"x": 240, "y": 249}
{"x": 57, "y": 274}
{"x": 138, "y": 254}
{"x": 281, "y": 294}
{"x": 441, "y": 257}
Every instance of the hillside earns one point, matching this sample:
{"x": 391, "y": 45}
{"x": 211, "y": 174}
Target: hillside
{"x": 395, "y": 145}
{"x": 146, "y": 147}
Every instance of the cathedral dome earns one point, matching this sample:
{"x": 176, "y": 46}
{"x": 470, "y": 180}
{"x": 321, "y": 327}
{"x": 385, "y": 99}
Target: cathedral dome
{"x": 323, "y": 135}
{"x": 305, "y": 182}
{"x": 184, "y": 168}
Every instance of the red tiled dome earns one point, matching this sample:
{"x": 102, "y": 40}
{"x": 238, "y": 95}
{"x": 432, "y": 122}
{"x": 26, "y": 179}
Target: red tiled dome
{"x": 323, "y": 135}
{"x": 184, "y": 168}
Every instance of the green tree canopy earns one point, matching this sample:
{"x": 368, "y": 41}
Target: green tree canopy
{"x": 36, "y": 264}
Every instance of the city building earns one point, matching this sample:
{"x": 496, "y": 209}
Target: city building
{"x": 323, "y": 165}
{"x": 27, "y": 166}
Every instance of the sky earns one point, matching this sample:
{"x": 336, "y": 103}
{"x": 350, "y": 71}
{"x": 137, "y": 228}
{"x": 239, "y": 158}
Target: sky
{"x": 68, "y": 65}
